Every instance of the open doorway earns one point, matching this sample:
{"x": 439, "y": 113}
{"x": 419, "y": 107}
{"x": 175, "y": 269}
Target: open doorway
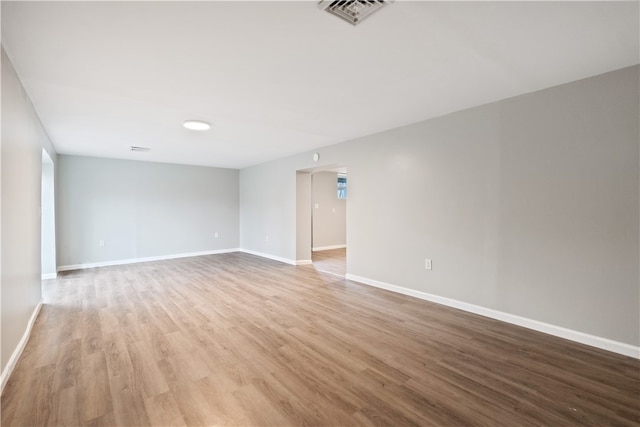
{"x": 321, "y": 219}
{"x": 329, "y": 220}
{"x": 48, "y": 219}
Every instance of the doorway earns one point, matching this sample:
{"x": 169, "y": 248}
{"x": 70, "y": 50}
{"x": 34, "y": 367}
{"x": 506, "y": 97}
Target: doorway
{"x": 321, "y": 219}
{"x": 329, "y": 220}
{"x": 48, "y": 219}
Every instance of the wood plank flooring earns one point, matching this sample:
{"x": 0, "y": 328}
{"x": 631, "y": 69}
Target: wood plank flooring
{"x": 234, "y": 339}
{"x": 333, "y": 261}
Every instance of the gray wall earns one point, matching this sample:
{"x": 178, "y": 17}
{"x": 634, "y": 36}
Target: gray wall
{"x": 329, "y": 212}
{"x": 142, "y": 209}
{"x": 528, "y": 206}
{"x": 23, "y": 139}
{"x": 268, "y": 209}
{"x": 48, "y": 218}
{"x": 303, "y": 216}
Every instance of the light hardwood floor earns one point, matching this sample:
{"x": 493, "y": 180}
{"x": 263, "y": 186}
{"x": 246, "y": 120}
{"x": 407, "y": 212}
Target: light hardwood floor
{"x": 332, "y": 261}
{"x": 234, "y": 339}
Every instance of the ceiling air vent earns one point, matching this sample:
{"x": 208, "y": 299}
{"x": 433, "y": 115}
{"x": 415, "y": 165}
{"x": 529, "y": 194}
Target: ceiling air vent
{"x": 134, "y": 148}
{"x": 353, "y": 11}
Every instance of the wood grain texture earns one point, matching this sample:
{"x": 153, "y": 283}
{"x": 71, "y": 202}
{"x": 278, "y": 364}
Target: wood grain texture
{"x": 235, "y": 339}
{"x": 333, "y": 261}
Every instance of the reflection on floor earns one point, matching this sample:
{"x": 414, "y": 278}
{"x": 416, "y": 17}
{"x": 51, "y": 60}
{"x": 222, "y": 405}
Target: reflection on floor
{"x": 332, "y": 261}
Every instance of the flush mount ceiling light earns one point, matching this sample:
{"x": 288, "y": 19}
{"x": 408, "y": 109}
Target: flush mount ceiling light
{"x": 196, "y": 125}
{"x": 353, "y": 11}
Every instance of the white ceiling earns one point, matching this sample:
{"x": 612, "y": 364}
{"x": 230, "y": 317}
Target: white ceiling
{"x": 278, "y": 78}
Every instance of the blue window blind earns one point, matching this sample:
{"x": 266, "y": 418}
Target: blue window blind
{"x": 342, "y": 187}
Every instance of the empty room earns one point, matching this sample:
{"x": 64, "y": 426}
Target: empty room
{"x": 326, "y": 213}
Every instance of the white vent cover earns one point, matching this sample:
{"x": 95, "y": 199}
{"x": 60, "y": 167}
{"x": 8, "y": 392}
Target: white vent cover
{"x": 353, "y": 11}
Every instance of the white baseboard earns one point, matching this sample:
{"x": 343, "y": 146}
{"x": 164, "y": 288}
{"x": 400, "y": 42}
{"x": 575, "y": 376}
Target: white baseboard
{"x": 558, "y": 331}
{"x": 341, "y": 276}
{"x": 269, "y": 256}
{"x": 48, "y": 276}
{"x": 304, "y": 262}
{"x": 11, "y": 364}
{"x": 327, "y": 248}
{"x": 145, "y": 259}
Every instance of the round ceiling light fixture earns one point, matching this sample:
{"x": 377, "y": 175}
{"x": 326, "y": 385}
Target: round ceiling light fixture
{"x": 196, "y": 125}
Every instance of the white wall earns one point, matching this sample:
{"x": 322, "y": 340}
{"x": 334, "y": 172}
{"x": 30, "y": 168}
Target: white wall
{"x": 527, "y": 206}
{"x": 329, "y": 212}
{"x": 142, "y": 209}
{"x": 23, "y": 139}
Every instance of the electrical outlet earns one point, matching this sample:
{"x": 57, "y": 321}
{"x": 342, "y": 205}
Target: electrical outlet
{"x": 101, "y": 243}
{"x": 266, "y": 238}
{"x": 216, "y": 235}
{"x": 427, "y": 264}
